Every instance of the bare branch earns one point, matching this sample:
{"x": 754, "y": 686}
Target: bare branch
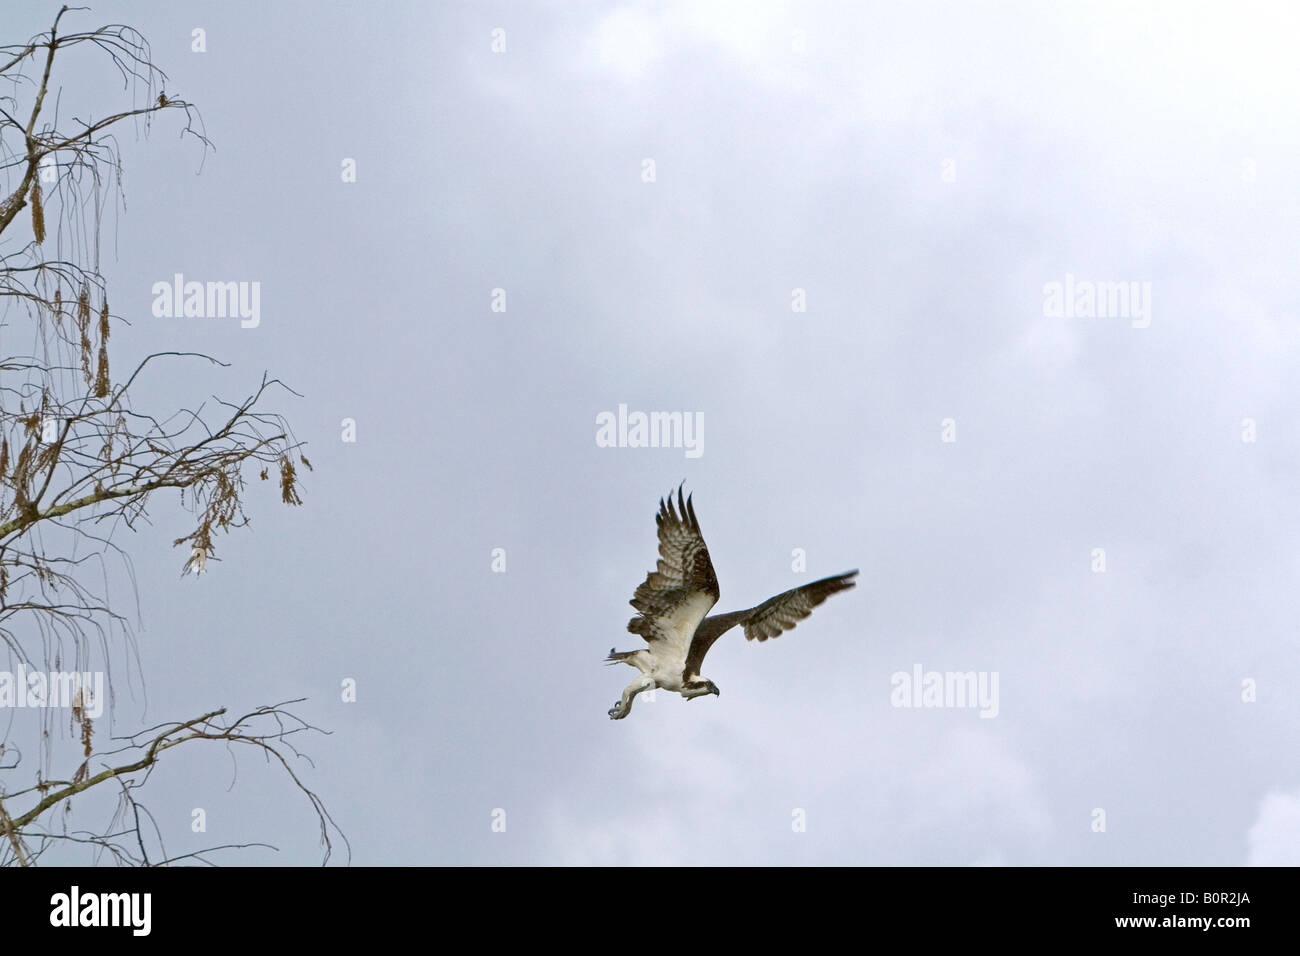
{"x": 82, "y": 464}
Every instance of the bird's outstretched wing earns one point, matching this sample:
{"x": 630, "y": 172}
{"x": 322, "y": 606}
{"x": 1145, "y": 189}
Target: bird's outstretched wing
{"x": 769, "y": 619}
{"x": 675, "y": 597}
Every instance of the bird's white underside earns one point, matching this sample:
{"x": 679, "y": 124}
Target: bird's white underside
{"x": 667, "y": 656}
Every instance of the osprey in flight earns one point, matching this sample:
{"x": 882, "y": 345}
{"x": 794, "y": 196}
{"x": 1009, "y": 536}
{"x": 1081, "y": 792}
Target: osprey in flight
{"x": 672, "y": 604}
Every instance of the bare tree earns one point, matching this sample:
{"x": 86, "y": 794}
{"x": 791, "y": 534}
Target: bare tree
{"x": 80, "y": 465}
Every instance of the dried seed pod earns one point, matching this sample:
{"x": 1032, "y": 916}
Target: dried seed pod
{"x": 38, "y": 212}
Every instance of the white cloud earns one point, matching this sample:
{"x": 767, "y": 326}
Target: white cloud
{"x": 627, "y": 42}
{"x": 1274, "y": 838}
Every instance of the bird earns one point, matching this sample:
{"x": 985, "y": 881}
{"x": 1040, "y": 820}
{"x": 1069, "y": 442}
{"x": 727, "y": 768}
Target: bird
{"x": 672, "y": 604}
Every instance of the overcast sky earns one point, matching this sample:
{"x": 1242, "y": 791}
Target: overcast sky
{"x": 657, "y": 188}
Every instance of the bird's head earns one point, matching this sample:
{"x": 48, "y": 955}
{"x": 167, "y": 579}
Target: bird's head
{"x": 700, "y": 688}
